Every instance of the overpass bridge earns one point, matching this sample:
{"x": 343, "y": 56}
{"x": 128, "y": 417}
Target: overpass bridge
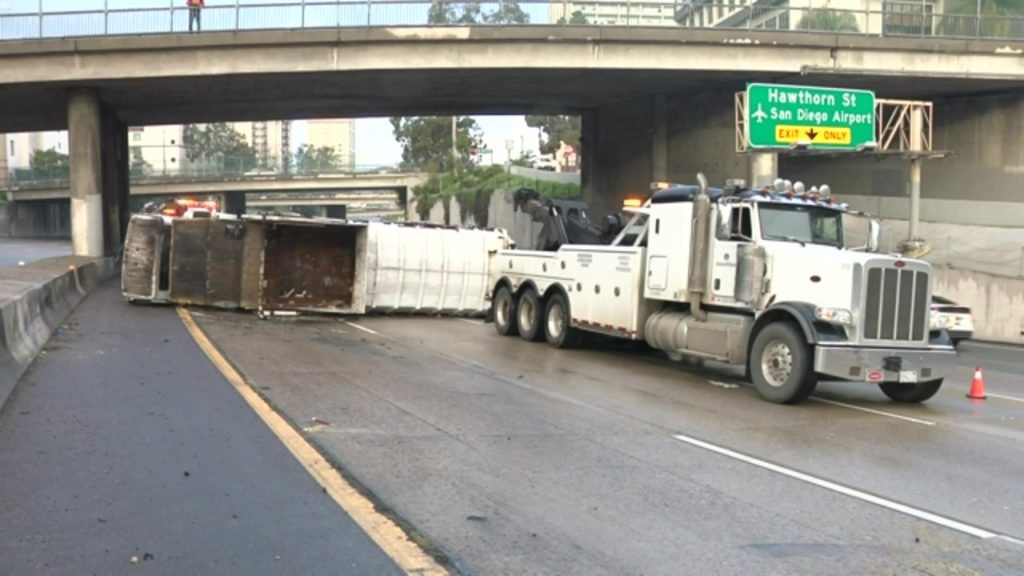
{"x": 656, "y": 102}
{"x": 42, "y": 210}
{"x": 324, "y": 185}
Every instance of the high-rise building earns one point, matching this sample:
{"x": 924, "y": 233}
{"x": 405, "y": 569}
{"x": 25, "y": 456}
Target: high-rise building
{"x": 336, "y": 133}
{"x": 271, "y": 139}
{"x": 162, "y": 148}
{"x": 18, "y": 148}
{"x": 888, "y": 17}
{"x": 615, "y": 12}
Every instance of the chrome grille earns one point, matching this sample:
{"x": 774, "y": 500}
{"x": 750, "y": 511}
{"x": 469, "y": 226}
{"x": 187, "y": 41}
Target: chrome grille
{"x": 896, "y": 305}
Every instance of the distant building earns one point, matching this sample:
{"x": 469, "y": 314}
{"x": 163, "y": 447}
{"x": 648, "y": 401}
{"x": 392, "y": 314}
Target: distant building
{"x": 617, "y": 12}
{"x": 339, "y": 134}
{"x": 162, "y": 147}
{"x": 18, "y": 148}
{"x": 271, "y": 139}
{"x": 892, "y": 17}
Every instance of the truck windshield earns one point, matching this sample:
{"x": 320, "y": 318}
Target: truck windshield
{"x": 804, "y": 224}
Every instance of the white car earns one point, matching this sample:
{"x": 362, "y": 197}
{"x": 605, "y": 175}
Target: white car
{"x": 955, "y": 319}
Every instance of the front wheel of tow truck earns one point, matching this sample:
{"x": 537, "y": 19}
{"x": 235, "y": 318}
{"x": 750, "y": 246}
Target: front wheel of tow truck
{"x": 557, "y": 324}
{"x": 910, "y": 393}
{"x": 504, "y": 312}
{"x": 780, "y": 364}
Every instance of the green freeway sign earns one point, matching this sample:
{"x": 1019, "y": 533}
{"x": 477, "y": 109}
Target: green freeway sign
{"x": 779, "y": 116}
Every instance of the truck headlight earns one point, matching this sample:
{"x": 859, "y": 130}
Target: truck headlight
{"x": 941, "y": 321}
{"x": 834, "y": 316}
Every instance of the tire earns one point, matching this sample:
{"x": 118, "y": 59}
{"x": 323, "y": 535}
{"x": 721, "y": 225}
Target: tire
{"x": 503, "y": 308}
{"x": 558, "y": 328}
{"x": 530, "y": 316}
{"x": 910, "y": 393}
{"x": 780, "y": 364}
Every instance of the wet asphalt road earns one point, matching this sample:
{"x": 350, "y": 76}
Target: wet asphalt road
{"x": 14, "y": 250}
{"x": 123, "y": 440}
{"x": 515, "y": 458}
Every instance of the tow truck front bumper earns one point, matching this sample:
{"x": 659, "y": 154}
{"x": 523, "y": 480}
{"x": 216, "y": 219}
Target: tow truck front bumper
{"x": 878, "y": 365}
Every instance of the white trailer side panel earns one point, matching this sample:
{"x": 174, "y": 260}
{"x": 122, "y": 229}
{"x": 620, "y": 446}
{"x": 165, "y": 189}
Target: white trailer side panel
{"x": 430, "y": 270}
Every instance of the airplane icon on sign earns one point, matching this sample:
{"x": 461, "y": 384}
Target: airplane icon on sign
{"x": 759, "y": 114}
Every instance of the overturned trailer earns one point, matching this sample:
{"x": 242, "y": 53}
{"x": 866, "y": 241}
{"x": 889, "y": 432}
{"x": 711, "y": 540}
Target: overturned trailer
{"x": 271, "y": 264}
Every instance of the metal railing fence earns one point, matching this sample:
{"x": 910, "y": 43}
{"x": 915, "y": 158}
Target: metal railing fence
{"x": 897, "y": 18}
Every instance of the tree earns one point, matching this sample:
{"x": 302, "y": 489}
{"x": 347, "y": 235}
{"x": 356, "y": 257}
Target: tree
{"x": 826, "y": 20}
{"x": 525, "y": 159}
{"x": 427, "y": 142}
{"x": 316, "y": 159}
{"x": 508, "y": 12}
{"x": 962, "y": 18}
{"x": 445, "y": 12}
{"x": 578, "y": 18}
{"x": 219, "y": 144}
{"x": 557, "y": 129}
{"x": 139, "y": 167}
{"x": 49, "y": 162}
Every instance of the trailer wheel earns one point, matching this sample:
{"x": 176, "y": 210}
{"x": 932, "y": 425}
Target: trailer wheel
{"x": 558, "y": 325}
{"x": 504, "y": 312}
{"x": 780, "y": 364}
{"x": 911, "y": 393}
{"x": 529, "y": 315}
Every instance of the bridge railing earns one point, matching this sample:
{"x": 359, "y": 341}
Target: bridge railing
{"x": 899, "y": 18}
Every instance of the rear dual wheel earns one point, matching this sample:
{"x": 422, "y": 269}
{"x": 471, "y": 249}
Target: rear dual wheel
{"x": 558, "y": 323}
{"x": 529, "y": 316}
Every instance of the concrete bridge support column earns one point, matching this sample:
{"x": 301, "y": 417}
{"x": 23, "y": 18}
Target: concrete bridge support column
{"x": 659, "y": 138}
{"x": 764, "y": 169}
{"x": 84, "y": 144}
{"x": 115, "y": 154}
{"x": 234, "y": 203}
{"x": 98, "y": 146}
{"x": 3, "y": 160}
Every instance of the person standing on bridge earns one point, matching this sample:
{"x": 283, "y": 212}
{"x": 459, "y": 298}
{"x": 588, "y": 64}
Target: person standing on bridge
{"x": 194, "y": 8}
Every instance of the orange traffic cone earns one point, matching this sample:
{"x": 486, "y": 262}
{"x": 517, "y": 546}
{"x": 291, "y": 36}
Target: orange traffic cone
{"x": 977, "y": 386}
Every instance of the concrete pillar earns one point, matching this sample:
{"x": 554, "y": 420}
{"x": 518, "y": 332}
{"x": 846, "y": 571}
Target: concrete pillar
{"x": 3, "y": 160}
{"x": 234, "y": 203}
{"x": 588, "y": 158}
{"x": 339, "y": 212}
{"x": 659, "y": 139}
{"x": 764, "y": 169}
{"x": 84, "y": 143}
{"x": 114, "y": 154}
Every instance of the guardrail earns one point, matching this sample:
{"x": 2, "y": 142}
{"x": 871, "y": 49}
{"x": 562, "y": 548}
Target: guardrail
{"x": 897, "y": 18}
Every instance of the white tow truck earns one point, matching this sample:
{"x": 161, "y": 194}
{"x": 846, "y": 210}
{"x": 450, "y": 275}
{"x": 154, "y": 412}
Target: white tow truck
{"x": 750, "y": 278}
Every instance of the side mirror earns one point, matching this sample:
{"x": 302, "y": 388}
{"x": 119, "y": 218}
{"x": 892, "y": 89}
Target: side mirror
{"x": 874, "y": 232}
{"x": 724, "y": 222}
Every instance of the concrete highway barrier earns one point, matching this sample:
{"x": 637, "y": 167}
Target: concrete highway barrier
{"x": 34, "y": 300}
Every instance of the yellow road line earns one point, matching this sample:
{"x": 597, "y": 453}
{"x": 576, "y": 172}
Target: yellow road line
{"x": 391, "y": 539}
